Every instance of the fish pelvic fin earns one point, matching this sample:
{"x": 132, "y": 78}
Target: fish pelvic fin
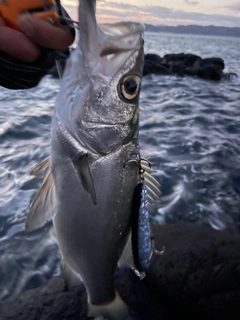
{"x": 42, "y": 168}
{"x": 127, "y": 260}
{"x": 113, "y": 310}
{"x": 70, "y": 277}
{"x": 44, "y": 205}
{"x": 83, "y": 171}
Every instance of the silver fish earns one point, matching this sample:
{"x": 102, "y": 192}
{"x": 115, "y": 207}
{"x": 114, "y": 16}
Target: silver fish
{"x": 88, "y": 187}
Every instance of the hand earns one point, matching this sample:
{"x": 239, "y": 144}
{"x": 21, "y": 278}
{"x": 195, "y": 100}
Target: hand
{"x": 24, "y": 45}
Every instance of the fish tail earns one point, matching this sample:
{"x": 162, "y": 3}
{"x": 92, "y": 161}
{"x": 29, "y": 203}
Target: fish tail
{"x": 113, "y": 310}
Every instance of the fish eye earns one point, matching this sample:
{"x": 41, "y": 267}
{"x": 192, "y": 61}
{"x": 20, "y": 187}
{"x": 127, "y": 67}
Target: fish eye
{"x": 130, "y": 87}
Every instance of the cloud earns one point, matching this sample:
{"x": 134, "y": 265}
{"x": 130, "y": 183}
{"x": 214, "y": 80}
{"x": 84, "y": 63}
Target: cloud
{"x": 110, "y": 11}
{"x": 233, "y": 7}
{"x": 191, "y": 3}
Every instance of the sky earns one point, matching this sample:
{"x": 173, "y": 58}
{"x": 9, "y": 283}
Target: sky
{"x": 165, "y": 12}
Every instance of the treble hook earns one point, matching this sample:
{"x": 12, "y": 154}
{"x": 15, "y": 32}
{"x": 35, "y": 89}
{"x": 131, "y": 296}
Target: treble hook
{"x": 139, "y": 161}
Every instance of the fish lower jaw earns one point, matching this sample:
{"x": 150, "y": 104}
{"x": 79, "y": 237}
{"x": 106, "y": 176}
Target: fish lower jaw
{"x": 114, "y": 310}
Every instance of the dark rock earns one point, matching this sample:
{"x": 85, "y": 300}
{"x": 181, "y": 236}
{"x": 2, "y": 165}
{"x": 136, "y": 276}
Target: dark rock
{"x": 52, "y": 302}
{"x": 186, "y": 59}
{"x": 178, "y": 68}
{"x": 197, "y": 277}
{"x": 199, "y": 271}
{"x": 49, "y": 302}
{"x": 153, "y": 64}
{"x": 210, "y": 61}
{"x": 182, "y": 64}
{"x": 209, "y": 72}
{"x": 153, "y": 57}
{"x": 152, "y": 68}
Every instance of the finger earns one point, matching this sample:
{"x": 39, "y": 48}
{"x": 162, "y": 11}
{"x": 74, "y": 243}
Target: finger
{"x": 1, "y": 22}
{"x": 17, "y": 44}
{"x": 45, "y": 34}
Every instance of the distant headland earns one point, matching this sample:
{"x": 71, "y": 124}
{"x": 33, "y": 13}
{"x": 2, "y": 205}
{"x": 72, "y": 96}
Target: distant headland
{"x": 195, "y": 29}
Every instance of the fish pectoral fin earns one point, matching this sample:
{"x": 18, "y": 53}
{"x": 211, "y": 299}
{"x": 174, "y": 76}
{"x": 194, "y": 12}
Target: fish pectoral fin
{"x": 42, "y": 168}
{"x": 44, "y": 205}
{"x": 83, "y": 171}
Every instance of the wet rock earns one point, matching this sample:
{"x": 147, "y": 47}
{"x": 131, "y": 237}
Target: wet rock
{"x": 153, "y": 57}
{"x": 199, "y": 271}
{"x": 209, "y": 61}
{"x": 53, "y": 302}
{"x": 197, "y": 277}
{"x": 153, "y": 65}
{"x": 209, "y": 72}
{"x": 152, "y": 68}
{"x": 186, "y": 59}
{"x": 182, "y": 64}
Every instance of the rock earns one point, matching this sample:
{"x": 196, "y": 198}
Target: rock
{"x": 209, "y": 61}
{"x": 197, "y": 277}
{"x": 182, "y": 64}
{"x": 152, "y": 68}
{"x": 49, "y": 302}
{"x": 186, "y": 59}
{"x": 199, "y": 271}
{"x": 209, "y": 72}
{"x": 153, "y": 57}
{"x": 52, "y": 302}
{"x": 153, "y": 64}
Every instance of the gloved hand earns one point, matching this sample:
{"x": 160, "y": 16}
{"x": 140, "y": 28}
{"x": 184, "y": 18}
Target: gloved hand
{"x": 24, "y": 45}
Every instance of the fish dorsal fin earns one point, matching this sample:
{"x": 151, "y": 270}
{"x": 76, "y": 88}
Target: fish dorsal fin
{"x": 42, "y": 168}
{"x": 82, "y": 169}
{"x": 152, "y": 185}
{"x": 44, "y": 205}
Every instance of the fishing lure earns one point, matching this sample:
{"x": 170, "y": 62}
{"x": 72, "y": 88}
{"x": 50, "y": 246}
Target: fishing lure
{"x": 147, "y": 191}
{"x": 141, "y": 233}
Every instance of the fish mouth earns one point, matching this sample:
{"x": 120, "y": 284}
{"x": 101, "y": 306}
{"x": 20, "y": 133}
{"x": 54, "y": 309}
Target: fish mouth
{"x": 106, "y": 47}
{"x": 121, "y": 37}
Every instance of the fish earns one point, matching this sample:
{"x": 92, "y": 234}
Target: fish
{"x": 90, "y": 177}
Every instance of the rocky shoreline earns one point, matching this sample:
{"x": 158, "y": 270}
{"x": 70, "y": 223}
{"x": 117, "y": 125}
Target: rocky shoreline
{"x": 182, "y": 64}
{"x": 179, "y": 64}
{"x": 197, "y": 277}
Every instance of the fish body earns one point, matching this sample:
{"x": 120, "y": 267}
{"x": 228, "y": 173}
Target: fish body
{"x": 89, "y": 181}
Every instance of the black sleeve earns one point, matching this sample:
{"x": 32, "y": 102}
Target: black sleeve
{"x": 15, "y": 74}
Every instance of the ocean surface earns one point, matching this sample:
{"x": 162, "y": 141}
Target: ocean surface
{"x": 189, "y": 129}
